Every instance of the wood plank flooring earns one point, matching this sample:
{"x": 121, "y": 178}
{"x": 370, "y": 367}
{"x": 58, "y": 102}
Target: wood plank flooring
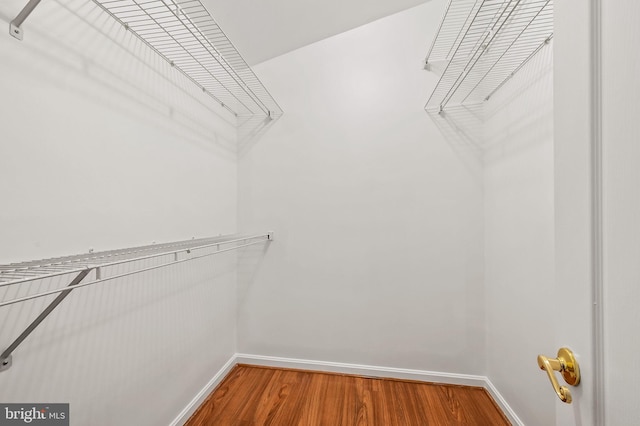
{"x": 251, "y": 395}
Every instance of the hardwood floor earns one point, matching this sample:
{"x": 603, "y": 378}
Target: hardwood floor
{"x": 252, "y": 395}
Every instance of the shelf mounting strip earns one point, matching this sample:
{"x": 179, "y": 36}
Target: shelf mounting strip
{"x": 189, "y": 39}
{"x": 484, "y": 43}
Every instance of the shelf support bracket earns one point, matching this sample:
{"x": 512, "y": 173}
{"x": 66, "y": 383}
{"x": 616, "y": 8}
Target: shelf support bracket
{"x": 14, "y": 26}
{"x": 5, "y": 358}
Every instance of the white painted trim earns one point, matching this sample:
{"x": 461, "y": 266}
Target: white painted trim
{"x": 362, "y": 370}
{"x": 386, "y": 372}
{"x": 502, "y": 403}
{"x": 597, "y": 214}
{"x": 191, "y": 408}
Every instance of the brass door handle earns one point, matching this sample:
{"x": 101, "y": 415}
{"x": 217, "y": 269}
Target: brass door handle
{"x": 567, "y": 365}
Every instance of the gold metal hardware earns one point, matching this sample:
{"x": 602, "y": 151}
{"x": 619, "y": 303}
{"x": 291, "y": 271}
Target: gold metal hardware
{"x": 567, "y": 365}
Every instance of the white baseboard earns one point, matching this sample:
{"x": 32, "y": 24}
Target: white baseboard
{"x": 191, "y": 408}
{"x": 361, "y": 370}
{"x": 344, "y": 368}
{"x": 502, "y": 403}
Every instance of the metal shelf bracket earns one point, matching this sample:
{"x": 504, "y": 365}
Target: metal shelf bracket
{"x": 5, "y": 363}
{"x": 5, "y": 357}
{"x": 14, "y": 26}
{"x": 82, "y": 265}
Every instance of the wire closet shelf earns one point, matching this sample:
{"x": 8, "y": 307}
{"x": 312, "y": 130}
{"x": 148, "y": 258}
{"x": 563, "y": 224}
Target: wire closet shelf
{"x": 483, "y": 43}
{"x": 161, "y": 255}
{"x": 100, "y": 268}
{"x": 186, "y": 35}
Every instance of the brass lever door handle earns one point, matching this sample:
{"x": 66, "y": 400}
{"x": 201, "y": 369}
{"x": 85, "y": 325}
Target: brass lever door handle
{"x": 567, "y": 365}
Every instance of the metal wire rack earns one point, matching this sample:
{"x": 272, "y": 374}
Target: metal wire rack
{"x": 457, "y": 17}
{"x": 99, "y": 268}
{"x": 485, "y": 43}
{"x": 186, "y": 35}
{"x": 165, "y": 255}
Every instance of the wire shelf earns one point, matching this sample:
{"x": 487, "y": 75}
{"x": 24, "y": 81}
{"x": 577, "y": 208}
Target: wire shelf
{"x": 160, "y": 254}
{"x": 100, "y": 268}
{"x": 457, "y": 17}
{"x": 485, "y": 43}
{"x": 186, "y": 35}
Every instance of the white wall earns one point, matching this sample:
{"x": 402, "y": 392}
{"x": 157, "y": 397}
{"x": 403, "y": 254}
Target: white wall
{"x": 384, "y": 226}
{"x": 132, "y": 351}
{"x": 519, "y": 238}
{"x": 378, "y": 218}
{"x": 105, "y": 146}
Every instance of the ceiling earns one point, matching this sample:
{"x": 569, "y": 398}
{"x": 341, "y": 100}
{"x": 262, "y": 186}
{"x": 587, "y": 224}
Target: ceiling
{"x": 261, "y": 29}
